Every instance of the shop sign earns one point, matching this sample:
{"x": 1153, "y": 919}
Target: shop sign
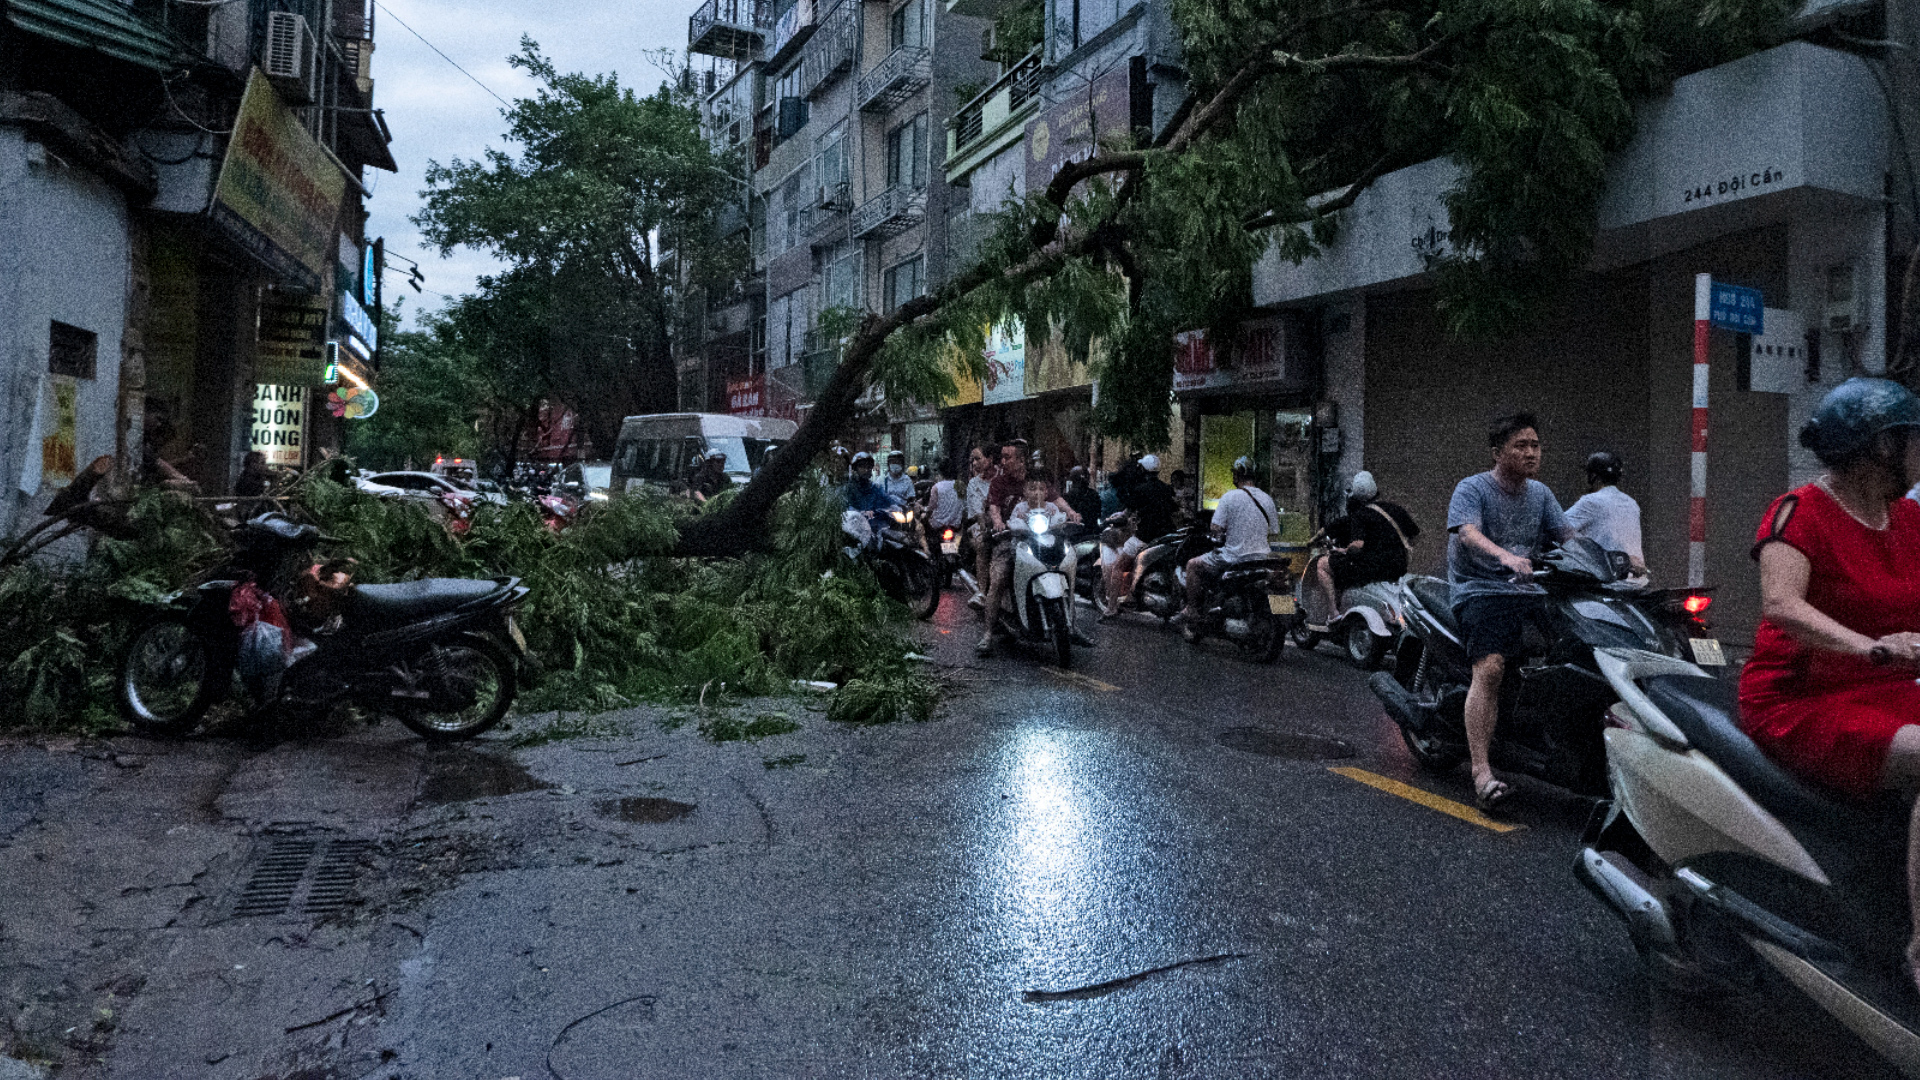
{"x": 279, "y": 193}
{"x": 1006, "y": 364}
{"x": 1050, "y": 367}
{"x": 353, "y": 402}
{"x": 1072, "y": 129}
{"x": 279, "y": 421}
{"x": 361, "y": 324}
{"x": 1262, "y": 358}
{"x": 292, "y": 348}
{"x": 745, "y": 396}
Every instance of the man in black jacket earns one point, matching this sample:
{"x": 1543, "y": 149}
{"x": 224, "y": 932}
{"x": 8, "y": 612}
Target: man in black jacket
{"x": 1370, "y": 544}
{"x": 1152, "y": 499}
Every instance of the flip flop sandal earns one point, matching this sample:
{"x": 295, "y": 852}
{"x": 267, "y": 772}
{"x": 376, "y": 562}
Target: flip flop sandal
{"x": 1491, "y": 796}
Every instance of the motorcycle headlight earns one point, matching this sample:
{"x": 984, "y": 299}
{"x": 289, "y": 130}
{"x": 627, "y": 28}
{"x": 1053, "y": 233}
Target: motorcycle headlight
{"x": 901, "y": 517}
{"x": 1038, "y": 523}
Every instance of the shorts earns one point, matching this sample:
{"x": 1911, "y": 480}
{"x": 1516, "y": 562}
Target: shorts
{"x": 1133, "y": 547}
{"x": 1215, "y": 562}
{"x": 1496, "y": 625}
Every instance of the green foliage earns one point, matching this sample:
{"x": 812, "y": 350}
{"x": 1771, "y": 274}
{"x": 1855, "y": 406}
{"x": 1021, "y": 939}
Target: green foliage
{"x": 1016, "y": 30}
{"x": 431, "y": 392}
{"x": 883, "y": 698}
{"x": 739, "y": 728}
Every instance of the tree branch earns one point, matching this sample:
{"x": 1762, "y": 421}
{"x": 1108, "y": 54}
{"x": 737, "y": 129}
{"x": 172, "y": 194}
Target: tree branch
{"x": 1326, "y": 203}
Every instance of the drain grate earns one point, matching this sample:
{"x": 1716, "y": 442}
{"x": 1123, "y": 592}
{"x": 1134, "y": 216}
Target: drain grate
{"x": 301, "y": 874}
{"x": 1298, "y": 745}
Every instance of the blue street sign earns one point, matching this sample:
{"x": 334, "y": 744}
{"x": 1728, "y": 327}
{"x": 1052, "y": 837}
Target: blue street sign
{"x": 1737, "y": 308}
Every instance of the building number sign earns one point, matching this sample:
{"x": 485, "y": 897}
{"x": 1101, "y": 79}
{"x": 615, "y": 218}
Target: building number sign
{"x": 1736, "y": 184}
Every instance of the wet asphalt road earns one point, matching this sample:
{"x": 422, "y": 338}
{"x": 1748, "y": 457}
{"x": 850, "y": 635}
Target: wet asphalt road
{"x": 1072, "y": 876}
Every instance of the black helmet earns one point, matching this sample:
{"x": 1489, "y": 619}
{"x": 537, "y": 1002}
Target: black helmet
{"x": 1604, "y": 466}
{"x": 1853, "y": 414}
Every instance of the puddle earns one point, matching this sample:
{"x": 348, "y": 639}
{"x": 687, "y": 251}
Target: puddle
{"x": 644, "y": 811}
{"x": 1298, "y": 745}
{"x": 460, "y": 775}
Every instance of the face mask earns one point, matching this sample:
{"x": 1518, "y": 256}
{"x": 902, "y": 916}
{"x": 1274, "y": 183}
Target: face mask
{"x": 896, "y": 471}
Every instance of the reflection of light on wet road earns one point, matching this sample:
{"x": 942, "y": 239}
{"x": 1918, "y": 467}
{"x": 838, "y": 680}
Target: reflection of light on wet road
{"x": 1047, "y": 864}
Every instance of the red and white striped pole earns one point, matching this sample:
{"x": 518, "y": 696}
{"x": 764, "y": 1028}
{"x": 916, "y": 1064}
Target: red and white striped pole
{"x": 1697, "y": 516}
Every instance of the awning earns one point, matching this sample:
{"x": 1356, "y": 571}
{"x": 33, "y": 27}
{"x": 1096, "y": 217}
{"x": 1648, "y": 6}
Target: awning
{"x": 104, "y": 26}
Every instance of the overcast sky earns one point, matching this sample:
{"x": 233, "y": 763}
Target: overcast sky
{"x": 438, "y": 114}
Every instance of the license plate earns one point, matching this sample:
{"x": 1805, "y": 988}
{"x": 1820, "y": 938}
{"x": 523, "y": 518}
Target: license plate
{"x": 1707, "y": 652}
{"x": 949, "y": 547}
{"x": 513, "y": 631}
{"x": 1280, "y": 605}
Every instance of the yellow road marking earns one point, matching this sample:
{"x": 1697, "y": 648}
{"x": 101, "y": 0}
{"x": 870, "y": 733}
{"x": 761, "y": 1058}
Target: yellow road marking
{"x": 1087, "y": 681}
{"x": 1428, "y": 799}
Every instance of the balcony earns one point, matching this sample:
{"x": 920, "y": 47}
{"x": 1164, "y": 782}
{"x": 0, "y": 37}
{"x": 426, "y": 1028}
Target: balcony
{"x": 978, "y": 128}
{"x": 735, "y": 29}
{"x": 901, "y": 75}
{"x": 893, "y": 212}
{"x": 832, "y": 49}
{"x": 792, "y": 29}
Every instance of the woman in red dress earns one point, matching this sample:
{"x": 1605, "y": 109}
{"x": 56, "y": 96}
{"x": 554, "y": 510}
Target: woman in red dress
{"x": 1840, "y": 580}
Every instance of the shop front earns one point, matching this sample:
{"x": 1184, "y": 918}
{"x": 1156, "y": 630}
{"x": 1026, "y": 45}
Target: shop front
{"x": 1252, "y": 398}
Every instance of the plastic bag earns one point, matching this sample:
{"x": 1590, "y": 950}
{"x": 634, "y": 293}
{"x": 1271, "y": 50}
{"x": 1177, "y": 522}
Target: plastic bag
{"x": 268, "y": 645}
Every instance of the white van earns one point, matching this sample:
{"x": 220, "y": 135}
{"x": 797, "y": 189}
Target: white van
{"x": 662, "y": 449}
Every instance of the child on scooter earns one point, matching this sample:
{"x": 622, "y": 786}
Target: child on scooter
{"x": 1033, "y": 499}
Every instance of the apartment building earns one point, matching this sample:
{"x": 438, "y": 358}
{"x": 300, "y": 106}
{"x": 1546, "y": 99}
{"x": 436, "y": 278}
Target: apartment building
{"x": 182, "y": 245}
{"x": 842, "y": 107}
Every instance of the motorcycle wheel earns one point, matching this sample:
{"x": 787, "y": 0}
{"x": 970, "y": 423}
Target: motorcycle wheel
{"x": 1156, "y": 593}
{"x": 917, "y": 581}
{"x": 473, "y": 666}
{"x": 1268, "y": 638}
{"x": 1062, "y": 644}
{"x": 1431, "y": 755}
{"x": 1303, "y": 639}
{"x": 1363, "y": 648}
{"x": 167, "y": 678}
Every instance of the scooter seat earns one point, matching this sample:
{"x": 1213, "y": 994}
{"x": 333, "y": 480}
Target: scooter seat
{"x": 1704, "y": 709}
{"x": 413, "y": 599}
{"x": 1436, "y": 596}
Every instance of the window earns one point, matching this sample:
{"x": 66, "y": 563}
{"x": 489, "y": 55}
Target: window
{"x": 791, "y": 214}
{"x": 904, "y": 281}
{"x": 831, "y": 159}
{"x": 843, "y": 286}
{"x": 907, "y": 27}
{"x": 71, "y": 351}
{"x": 907, "y": 154}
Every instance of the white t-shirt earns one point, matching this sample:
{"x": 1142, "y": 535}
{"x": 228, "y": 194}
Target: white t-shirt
{"x": 946, "y": 506}
{"x": 1609, "y": 517}
{"x": 977, "y": 496}
{"x": 1245, "y": 516}
{"x": 1018, "y": 521}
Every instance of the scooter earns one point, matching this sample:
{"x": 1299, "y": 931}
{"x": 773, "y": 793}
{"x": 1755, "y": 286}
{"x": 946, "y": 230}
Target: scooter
{"x": 1553, "y": 701}
{"x": 1039, "y": 607}
{"x": 1160, "y": 570}
{"x": 1250, "y": 606}
{"x": 1367, "y": 623}
{"x": 441, "y": 654}
{"x": 1722, "y": 863}
{"x": 888, "y": 547}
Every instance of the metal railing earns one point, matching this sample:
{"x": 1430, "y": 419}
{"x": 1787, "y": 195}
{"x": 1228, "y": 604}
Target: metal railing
{"x": 893, "y": 80}
{"x": 891, "y": 213}
{"x": 729, "y": 27}
{"x": 1019, "y": 84}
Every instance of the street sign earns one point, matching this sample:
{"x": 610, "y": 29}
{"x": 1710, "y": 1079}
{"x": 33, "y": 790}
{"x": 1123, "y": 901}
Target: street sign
{"x": 1737, "y": 308}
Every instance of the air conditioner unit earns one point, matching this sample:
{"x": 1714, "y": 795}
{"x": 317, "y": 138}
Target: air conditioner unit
{"x": 292, "y": 57}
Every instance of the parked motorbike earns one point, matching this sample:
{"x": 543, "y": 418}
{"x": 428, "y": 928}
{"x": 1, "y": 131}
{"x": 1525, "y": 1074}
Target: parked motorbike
{"x": 886, "y": 544}
{"x": 440, "y": 654}
{"x": 1721, "y": 862}
{"x": 1039, "y": 608}
{"x": 1367, "y": 622}
{"x": 1553, "y": 701}
{"x": 1251, "y": 606}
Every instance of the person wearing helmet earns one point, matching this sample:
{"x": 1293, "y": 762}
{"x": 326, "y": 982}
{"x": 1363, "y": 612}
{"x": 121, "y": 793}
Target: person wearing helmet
{"x": 1006, "y": 491}
{"x": 861, "y": 492}
{"x": 1605, "y": 514}
{"x": 1152, "y": 499}
{"x": 1080, "y": 494}
{"x": 1830, "y": 691}
{"x": 898, "y": 484}
{"x": 711, "y": 477}
{"x": 1242, "y": 520}
{"x": 1497, "y": 521}
{"x": 1370, "y": 543}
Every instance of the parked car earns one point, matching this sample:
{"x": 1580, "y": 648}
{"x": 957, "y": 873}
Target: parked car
{"x": 422, "y": 485}
{"x": 660, "y": 450}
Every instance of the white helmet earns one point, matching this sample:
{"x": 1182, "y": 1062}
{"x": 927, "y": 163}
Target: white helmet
{"x": 1151, "y": 463}
{"x": 1362, "y": 486}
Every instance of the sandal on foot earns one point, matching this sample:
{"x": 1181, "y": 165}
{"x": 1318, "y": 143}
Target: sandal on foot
{"x": 1493, "y": 794}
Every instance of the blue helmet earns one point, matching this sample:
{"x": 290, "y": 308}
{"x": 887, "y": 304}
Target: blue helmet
{"x": 1853, "y": 414}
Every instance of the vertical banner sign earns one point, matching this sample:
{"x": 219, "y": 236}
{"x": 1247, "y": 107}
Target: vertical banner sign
{"x": 1697, "y": 510}
{"x": 279, "y": 420}
{"x": 279, "y": 193}
{"x": 293, "y": 340}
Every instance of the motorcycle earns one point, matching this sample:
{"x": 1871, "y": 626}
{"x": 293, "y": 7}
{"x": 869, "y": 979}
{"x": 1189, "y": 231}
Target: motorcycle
{"x": 1251, "y": 606}
{"x": 1040, "y": 610}
{"x": 886, "y": 545}
{"x": 1553, "y": 701}
{"x": 1722, "y": 863}
{"x": 1367, "y": 622}
{"x": 1160, "y": 570}
{"x": 441, "y": 654}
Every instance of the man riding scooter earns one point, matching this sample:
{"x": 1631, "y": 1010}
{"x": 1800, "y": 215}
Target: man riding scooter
{"x": 1369, "y": 544}
{"x": 1243, "y": 519}
{"x": 1006, "y": 491}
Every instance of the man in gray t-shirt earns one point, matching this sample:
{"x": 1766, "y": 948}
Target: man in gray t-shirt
{"x": 1497, "y": 522}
